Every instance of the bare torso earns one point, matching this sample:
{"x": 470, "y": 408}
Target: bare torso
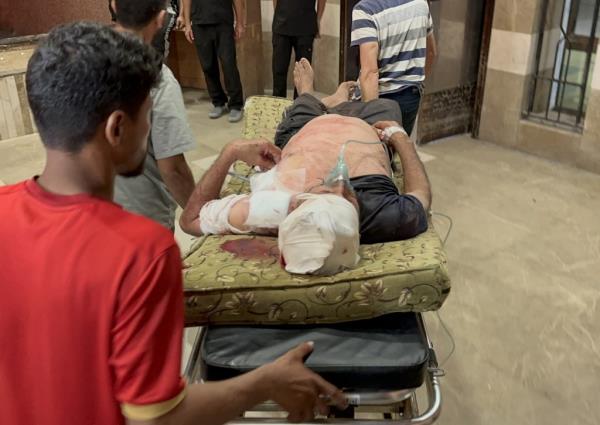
{"x": 311, "y": 154}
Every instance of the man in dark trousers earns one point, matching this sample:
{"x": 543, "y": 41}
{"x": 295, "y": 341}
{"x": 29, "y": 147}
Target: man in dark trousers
{"x": 296, "y": 23}
{"x": 209, "y": 24}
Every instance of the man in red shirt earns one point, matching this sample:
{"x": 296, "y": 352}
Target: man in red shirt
{"x": 91, "y": 295}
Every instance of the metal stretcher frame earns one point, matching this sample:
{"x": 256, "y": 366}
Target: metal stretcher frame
{"x": 402, "y": 402}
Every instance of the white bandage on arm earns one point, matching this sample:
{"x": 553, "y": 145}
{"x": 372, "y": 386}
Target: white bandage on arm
{"x": 390, "y": 131}
{"x": 268, "y": 208}
{"x": 214, "y": 216}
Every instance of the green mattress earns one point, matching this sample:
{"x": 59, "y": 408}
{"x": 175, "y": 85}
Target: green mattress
{"x": 238, "y": 280}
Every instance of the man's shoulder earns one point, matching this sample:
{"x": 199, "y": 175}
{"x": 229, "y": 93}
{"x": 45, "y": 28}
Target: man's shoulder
{"x": 171, "y": 134}
{"x": 132, "y": 231}
{"x": 166, "y": 82}
{"x": 12, "y": 189}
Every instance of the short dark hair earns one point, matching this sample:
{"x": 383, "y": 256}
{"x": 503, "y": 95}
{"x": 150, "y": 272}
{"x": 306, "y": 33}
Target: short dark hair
{"x": 136, "y": 14}
{"x": 80, "y": 74}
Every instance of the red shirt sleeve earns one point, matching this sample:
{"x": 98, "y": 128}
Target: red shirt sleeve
{"x": 147, "y": 333}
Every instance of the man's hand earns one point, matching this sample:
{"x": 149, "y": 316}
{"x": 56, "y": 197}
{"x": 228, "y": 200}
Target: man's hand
{"x": 381, "y": 127}
{"x": 259, "y": 152}
{"x": 180, "y": 23}
{"x": 189, "y": 33}
{"x": 298, "y": 390}
{"x": 240, "y": 30}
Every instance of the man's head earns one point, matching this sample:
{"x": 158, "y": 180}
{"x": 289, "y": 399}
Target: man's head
{"x": 145, "y": 17}
{"x": 320, "y": 236}
{"x": 88, "y": 84}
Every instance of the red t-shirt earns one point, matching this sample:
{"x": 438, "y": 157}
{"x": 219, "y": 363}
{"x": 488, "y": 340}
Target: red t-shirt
{"x": 91, "y": 311}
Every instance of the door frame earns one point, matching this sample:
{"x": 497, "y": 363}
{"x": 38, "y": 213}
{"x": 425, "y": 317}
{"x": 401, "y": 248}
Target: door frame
{"x": 484, "y": 51}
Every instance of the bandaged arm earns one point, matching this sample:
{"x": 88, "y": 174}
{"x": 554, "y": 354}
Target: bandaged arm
{"x": 214, "y": 216}
{"x": 255, "y": 152}
{"x": 261, "y": 212}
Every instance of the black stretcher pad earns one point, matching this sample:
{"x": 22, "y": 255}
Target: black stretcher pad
{"x": 386, "y": 353}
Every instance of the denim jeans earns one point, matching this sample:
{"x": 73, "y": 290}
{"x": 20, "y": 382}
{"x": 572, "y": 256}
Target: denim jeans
{"x": 409, "y": 100}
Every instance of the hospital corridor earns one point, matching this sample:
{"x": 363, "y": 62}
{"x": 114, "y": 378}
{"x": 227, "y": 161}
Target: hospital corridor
{"x": 396, "y": 224}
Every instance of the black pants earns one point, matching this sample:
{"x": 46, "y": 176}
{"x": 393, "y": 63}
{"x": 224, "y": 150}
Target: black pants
{"x": 216, "y": 43}
{"x": 282, "y": 51}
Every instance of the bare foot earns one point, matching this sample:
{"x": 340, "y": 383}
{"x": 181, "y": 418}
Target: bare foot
{"x": 304, "y": 77}
{"x": 342, "y": 94}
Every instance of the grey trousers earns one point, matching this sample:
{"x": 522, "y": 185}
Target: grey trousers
{"x": 306, "y": 107}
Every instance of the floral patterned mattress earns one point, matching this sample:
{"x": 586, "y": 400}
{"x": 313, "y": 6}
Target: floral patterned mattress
{"x": 238, "y": 280}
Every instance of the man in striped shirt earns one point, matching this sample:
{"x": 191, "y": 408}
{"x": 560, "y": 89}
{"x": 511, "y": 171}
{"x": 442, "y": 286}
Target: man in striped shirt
{"x": 397, "y": 48}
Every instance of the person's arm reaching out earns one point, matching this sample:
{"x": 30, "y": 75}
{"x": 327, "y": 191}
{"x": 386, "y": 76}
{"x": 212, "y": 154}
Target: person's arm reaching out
{"x": 178, "y": 177}
{"x": 286, "y": 381}
{"x": 416, "y": 182}
{"x": 253, "y": 152}
{"x": 239, "y": 7}
{"x": 369, "y": 71}
{"x": 146, "y": 361}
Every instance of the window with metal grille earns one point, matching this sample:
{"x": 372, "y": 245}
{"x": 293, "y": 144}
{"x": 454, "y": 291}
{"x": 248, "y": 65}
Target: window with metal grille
{"x": 564, "y": 60}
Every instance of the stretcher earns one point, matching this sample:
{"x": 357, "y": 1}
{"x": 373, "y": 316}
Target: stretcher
{"x": 367, "y": 325}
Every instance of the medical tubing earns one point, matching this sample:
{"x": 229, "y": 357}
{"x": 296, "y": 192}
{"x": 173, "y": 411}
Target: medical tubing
{"x": 238, "y": 176}
{"x": 341, "y": 169}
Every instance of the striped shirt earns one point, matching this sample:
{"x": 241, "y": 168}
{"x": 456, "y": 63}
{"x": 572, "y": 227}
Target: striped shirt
{"x": 401, "y": 28}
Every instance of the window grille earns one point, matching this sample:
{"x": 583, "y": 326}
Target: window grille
{"x": 565, "y": 55}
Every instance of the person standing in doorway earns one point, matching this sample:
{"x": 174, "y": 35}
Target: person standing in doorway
{"x": 214, "y": 26}
{"x": 397, "y": 50}
{"x": 296, "y": 23}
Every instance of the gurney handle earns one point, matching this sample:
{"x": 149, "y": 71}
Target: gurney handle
{"x": 427, "y": 418}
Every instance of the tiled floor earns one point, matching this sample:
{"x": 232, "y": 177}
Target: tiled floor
{"x": 524, "y": 257}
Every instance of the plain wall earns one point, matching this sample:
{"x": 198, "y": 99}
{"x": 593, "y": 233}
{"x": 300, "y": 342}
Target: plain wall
{"x": 28, "y": 17}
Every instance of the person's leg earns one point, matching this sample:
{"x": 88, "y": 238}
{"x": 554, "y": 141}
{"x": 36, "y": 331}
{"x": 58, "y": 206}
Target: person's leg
{"x": 303, "y": 49}
{"x": 226, "y": 51}
{"x": 409, "y": 101}
{"x": 205, "y": 37}
{"x": 305, "y": 107}
{"x": 282, "y": 51}
{"x": 161, "y": 40}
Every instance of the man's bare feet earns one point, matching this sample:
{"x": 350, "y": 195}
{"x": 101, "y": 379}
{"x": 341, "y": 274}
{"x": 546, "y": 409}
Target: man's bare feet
{"x": 304, "y": 77}
{"x": 342, "y": 94}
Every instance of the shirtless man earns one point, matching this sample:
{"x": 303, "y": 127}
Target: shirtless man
{"x": 312, "y": 134}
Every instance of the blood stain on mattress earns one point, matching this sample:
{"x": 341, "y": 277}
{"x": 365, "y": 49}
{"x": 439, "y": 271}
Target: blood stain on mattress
{"x": 252, "y": 249}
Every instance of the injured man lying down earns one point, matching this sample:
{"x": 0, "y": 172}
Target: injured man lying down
{"x": 329, "y": 188}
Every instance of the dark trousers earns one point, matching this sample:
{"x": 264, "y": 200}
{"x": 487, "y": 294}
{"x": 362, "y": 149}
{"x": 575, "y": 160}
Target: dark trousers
{"x": 409, "y": 101}
{"x": 307, "y": 107}
{"x": 216, "y": 43}
{"x": 282, "y": 52}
